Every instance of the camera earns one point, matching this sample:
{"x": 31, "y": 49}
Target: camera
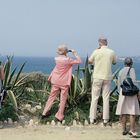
{"x": 91, "y": 67}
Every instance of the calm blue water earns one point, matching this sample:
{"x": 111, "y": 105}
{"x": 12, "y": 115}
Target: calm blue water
{"x": 46, "y": 64}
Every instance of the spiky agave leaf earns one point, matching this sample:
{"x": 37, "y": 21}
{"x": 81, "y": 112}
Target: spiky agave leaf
{"x": 7, "y": 69}
{"x": 76, "y": 82}
{"x": 12, "y": 99}
{"x": 87, "y": 76}
{"x": 11, "y": 76}
{"x": 18, "y": 75}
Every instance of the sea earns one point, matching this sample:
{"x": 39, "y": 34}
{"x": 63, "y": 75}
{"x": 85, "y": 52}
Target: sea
{"x": 46, "y": 64}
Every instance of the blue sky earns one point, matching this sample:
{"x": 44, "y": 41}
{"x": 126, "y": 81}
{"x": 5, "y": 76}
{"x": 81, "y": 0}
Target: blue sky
{"x": 36, "y": 27}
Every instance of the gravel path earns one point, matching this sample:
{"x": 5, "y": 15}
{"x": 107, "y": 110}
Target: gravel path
{"x": 45, "y": 132}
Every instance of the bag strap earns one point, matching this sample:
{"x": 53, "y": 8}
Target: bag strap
{"x": 128, "y": 73}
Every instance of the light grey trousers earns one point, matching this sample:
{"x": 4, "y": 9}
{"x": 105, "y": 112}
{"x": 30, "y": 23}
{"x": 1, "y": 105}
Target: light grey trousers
{"x": 99, "y": 85}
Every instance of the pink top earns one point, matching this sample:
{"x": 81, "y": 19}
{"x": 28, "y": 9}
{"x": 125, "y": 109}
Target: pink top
{"x": 62, "y": 72}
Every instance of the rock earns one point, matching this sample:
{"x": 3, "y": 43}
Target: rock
{"x": 67, "y": 128}
{"x": 38, "y": 107}
{"x": 33, "y": 110}
{"x": 28, "y": 106}
{"x": 36, "y": 123}
{"x": 53, "y": 122}
{"x": 59, "y": 123}
{"x": 5, "y": 122}
{"x": 10, "y": 121}
{"x": 48, "y": 123}
{"x": 74, "y": 123}
{"x": 15, "y": 123}
{"x": 63, "y": 122}
{"x": 86, "y": 123}
{"x": 26, "y": 122}
{"x": 31, "y": 122}
{"x": 22, "y": 118}
{"x": 1, "y": 124}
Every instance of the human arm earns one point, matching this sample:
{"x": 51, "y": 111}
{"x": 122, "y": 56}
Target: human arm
{"x": 114, "y": 60}
{"x": 77, "y": 60}
{"x": 91, "y": 58}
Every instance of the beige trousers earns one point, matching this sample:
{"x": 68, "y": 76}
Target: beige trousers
{"x": 98, "y": 86}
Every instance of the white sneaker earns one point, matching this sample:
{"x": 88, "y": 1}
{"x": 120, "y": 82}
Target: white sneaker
{"x": 133, "y": 134}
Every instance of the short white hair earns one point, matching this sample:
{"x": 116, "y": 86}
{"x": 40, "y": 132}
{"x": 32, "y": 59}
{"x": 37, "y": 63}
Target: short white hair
{"x": 62, "y": 49}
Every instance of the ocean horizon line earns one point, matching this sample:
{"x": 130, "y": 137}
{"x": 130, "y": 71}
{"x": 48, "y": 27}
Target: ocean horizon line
{"x": 51, "y": 56}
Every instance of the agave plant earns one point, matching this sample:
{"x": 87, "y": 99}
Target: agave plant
{"x": 79, "y": 94}
{"x": 37, "y": 89}
{"x": 13, "y": 82}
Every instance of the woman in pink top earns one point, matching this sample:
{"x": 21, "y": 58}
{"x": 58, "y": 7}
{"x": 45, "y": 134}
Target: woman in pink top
{"x": 60, "y": 79}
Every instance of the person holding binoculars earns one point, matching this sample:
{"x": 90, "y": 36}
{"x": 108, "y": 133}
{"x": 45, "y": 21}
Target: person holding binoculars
{"x": 60, "y": 79}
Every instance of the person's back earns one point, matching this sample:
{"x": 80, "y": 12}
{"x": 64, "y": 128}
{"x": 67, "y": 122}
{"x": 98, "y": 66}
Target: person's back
{"x": 103, "y": 60}
{"x": 61, "y": 74}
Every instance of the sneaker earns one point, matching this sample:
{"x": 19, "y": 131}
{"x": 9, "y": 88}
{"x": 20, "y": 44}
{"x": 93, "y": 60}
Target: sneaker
{"x": 133, "y": 134}
{"x": 57, "y": 120}
{"x": 125, "y": 132}
{"x": 108, "y": 123}
{"x": 43, "y": 117}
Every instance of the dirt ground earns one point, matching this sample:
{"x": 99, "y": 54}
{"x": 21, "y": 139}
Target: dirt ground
{"x": 45, "y": 132}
